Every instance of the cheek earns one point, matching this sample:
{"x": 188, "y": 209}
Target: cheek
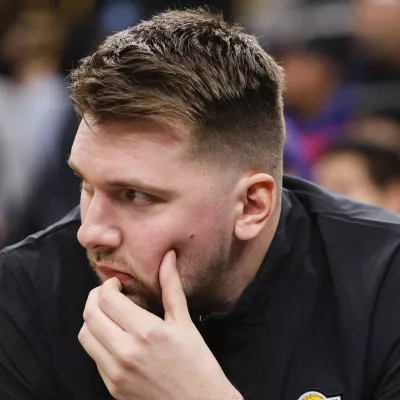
{"x": 187, "y": 228}
{"x": 146, "y": 242}
{"x": 199, "y": 227}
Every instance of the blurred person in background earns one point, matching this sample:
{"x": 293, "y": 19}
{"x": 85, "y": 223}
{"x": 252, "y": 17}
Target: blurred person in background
{"x": 380, "y": 127}
{"x": 317, "y": 98}
{"x": 340, "y": 56}
{"x": 377, "y": 27}
{"x": 376, "y": 69}
{"x": 365, "y": 172}
{"x": 34, "y": 110}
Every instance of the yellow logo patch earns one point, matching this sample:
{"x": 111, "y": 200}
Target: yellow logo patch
{"x": 317, "y": 396}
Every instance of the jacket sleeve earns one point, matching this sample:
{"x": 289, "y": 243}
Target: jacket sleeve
{"x": 383, "y": 361}
{"x": 25, "y": 359}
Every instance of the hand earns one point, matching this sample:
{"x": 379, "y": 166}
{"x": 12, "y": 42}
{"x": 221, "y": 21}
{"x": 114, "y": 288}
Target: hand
{"x": 143, "y": 357}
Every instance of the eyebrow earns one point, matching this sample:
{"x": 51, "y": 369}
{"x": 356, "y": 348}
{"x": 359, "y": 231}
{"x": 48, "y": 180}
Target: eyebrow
{"x": 134, "y": 184}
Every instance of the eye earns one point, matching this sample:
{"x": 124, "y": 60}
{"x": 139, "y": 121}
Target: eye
{"x": 137, "y": 197}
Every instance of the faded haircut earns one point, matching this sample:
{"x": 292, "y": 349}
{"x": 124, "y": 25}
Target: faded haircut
{"x": 193, "y": 68}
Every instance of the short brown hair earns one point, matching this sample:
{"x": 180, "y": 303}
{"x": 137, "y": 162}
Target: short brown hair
{"x": 193, "y": 67}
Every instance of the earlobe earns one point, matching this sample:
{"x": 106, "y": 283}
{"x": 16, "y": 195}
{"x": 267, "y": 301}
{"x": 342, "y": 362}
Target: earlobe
{"x": 259, "y": 205}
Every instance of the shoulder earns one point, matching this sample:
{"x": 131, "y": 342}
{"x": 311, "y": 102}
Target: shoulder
{"x": 335, "y": 214}
{"x": 32, "y": 283}
{"x": 45, "y": 268}
{"x": 324, "y": 204}
{"x": 358, "y": 240}
{"x": 46, "y": 246}
{"x": 360, "y": 248}
{"x": 359, "y": 245}
{"x": 44, "y": 284}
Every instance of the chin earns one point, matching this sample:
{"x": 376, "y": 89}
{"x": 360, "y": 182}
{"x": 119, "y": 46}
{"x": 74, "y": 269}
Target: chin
{"x": 134, "y": 298}
{"x": 153, "y": 306}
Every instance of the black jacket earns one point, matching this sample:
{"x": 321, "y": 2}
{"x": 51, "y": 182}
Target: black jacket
{"x": 323, "y": 313}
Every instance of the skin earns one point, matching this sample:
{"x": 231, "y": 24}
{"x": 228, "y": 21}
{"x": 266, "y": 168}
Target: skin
{"x": 376, "y": 25}
{"x": 310, "y": 78}
{"x": 147, "y": 206}
{"x": 143, "y": 357}
{"x": 347, "y": 174}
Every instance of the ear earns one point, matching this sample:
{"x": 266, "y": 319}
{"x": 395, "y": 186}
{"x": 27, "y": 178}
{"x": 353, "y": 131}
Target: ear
{"x": 257, "y": 198}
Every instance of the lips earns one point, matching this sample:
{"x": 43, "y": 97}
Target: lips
{"x": 108, "y": 273}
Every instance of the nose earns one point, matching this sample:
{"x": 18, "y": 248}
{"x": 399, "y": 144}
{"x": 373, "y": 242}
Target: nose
{"x": 98, "y": 229}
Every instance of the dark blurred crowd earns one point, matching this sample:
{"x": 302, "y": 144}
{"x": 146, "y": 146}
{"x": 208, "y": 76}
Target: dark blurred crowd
{"x": 342, "y": 63}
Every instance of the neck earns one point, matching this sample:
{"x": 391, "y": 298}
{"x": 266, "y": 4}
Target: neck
{"x": 249, "y": 261}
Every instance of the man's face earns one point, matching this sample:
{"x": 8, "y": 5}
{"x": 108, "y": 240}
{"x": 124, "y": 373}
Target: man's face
{"x": 141, "y": 197}
{"x": 347, "y": 174}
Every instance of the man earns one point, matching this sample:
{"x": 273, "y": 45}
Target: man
{"x": 34, "y": 107}
{"x": 215, "y": 282}
{"x": 364, "y": 172}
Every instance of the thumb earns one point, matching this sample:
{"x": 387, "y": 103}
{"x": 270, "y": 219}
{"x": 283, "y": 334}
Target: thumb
{"x": 173, "y": 296}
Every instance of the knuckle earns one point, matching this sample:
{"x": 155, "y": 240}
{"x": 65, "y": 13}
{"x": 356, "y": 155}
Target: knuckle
{"x": 116, "y": 376}
{"x": 127, "y": 358}
{"x": 114, "y": 389}
{"x": 87, "y": 314}
{"x": 90, "y": 303}
{"x": 154, "y": 335}
{"x": 92, "y": 296}
{"x": 81, "y": 335}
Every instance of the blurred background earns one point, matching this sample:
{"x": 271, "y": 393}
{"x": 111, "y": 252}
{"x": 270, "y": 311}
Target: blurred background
{"x": 342, "y": 61}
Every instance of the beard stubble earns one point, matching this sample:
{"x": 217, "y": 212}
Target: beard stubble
{"x": 203, "y": 277}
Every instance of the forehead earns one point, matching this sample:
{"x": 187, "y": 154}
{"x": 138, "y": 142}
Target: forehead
{"x": 131, "y": 130}
{"x": 129, "y": 138}
{"x": 142, "y": 145}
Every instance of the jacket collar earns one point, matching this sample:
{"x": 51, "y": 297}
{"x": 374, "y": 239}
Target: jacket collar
{"x": 256, "y": 292}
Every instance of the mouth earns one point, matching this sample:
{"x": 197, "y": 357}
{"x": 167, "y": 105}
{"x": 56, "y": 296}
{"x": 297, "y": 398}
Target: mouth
{"x": 109, "y": 272}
